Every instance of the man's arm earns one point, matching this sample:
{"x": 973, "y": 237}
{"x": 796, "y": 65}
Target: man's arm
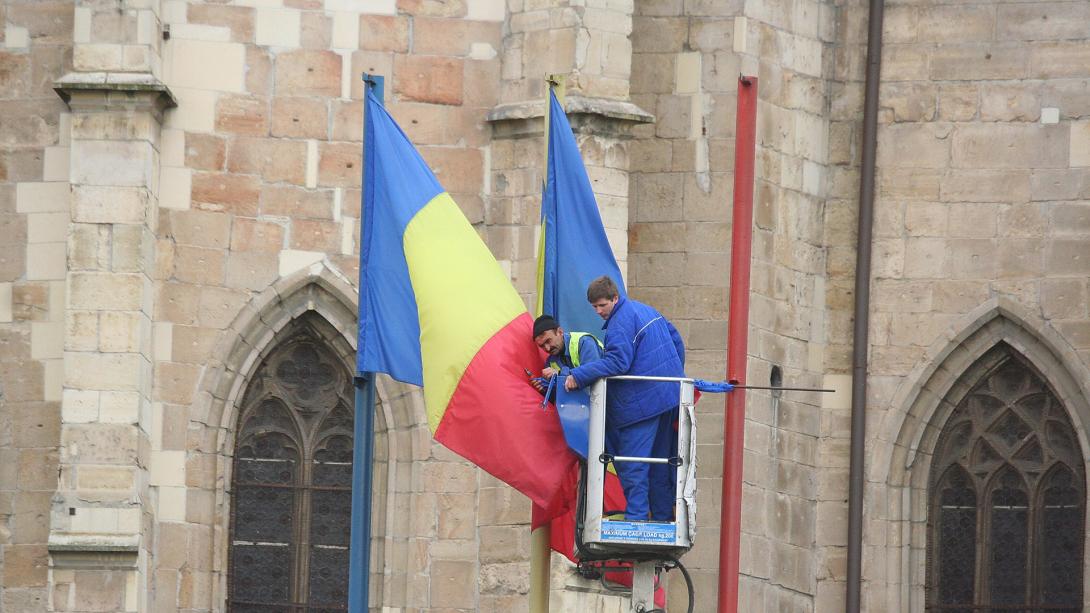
{"x": 589, "y": 350}
{"x": 676, "y": 337}
{"x": 616, "y": 360}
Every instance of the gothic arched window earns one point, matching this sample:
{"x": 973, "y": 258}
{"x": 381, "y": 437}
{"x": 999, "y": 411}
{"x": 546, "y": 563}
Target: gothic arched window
{"x": 291, "y": 484}
{"x": 1007, "y": 497}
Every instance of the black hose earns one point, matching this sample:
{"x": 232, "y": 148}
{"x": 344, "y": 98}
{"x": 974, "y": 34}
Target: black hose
{"x": 688, "y": 583}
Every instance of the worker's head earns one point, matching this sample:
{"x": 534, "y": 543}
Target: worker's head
{"x": 549, "y": 335}
{"x": 603, "y": 295}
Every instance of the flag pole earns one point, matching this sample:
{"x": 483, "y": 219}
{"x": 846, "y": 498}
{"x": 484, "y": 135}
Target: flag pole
{"x": 540, "y": 551}
{"x": 363, "y": 447}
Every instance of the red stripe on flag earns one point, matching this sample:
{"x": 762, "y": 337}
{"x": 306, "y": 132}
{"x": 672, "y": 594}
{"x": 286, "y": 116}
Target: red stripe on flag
{"x": 495, "y": 420}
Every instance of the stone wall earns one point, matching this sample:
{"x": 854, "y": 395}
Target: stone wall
{"x": 687, "y": 61}
{"x": 35, "y": 48}
{"x": 150, "y": 254}
{"x": 980, "y": 224}
{"x": 261, "y": 185}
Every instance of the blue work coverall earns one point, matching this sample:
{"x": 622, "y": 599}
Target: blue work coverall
{"x": 640, "y": 414}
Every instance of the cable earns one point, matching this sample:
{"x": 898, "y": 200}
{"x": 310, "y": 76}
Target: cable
{"x": 688, "y": 583}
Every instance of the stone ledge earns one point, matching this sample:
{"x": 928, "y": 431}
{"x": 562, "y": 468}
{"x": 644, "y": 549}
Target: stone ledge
{"x": 603, "y": 116}
{"x": 106, "y": 86}
{"x": 94, "y": 551}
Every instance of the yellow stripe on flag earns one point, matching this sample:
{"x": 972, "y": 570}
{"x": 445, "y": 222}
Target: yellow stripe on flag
{"x": 540, "y": 303}
{"x": 463, "y": 297}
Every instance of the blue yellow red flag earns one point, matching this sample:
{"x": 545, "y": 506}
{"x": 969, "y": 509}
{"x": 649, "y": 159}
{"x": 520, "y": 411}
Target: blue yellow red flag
{"x": 437, "y": 310}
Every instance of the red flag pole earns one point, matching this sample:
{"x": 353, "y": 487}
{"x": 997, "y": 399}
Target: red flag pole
{"x": 741, "y": 248}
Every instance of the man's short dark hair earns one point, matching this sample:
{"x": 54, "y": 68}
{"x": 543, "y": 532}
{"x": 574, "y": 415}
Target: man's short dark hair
{"x": 544, "y": 324}
{"x": 602, "y": 288}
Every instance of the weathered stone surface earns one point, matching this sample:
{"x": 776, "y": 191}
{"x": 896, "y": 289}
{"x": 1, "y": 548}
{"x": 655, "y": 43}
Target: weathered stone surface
{"x": 236, "y": 194}
{"x": 316, "y": 30}
{"x": 239, "y": 19}
{"x": 1015, "y": 146}
{"x": 308, "y": 73}
{"x": 200, "y": 228}
{"x": 205, "y": 151}
{"x": 433, "y": 8}
{"x": 459, "y": 171}
{"x": 25, "y": 565}
{"x": 255, "y": 235}
{"x": 242, "y": 115}
{"x": 275, "y": 160}
{"x": 316, "y": 235}
{"x": 429, "y": 79}
{"x": 198, "y": 265}
{"x": 382, "y": 33}
{"x": 453, "y": 584}
{"x": 297, "y": 202}
{"x": 299, "y": 118}
{"x": 339, "y": 165}
{"x": 984, "y": 62}
{"x": 252, "y": 271}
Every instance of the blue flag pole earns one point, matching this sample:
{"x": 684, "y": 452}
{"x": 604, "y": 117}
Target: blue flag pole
{"x": 363, "y": 448}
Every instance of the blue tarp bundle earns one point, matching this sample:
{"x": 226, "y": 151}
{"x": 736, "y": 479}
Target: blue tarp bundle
{"x": 712, "y": 387}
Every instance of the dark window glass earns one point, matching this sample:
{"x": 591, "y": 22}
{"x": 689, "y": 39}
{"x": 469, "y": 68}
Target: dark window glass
{"x": 1009, "y": 517}
{"x": 291, "y": 485}
{"x": 1007, "y": 498}
{"x": 957, "y": 529}
{"x": 1061, "y": 541}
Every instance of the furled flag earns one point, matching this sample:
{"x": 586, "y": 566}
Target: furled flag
{"x": 437, "y": 310}
{"x": 573, "y": 250}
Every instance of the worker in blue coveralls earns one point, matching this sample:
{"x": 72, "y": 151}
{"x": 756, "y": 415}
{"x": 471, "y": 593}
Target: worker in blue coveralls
{"x": 639, "y": 414}
{"x": 566, "y": 349}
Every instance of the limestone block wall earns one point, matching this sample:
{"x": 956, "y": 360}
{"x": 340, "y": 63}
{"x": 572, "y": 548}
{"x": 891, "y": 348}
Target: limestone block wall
{"x": 35, "y": 47}
{"x": 260, "y": 191}
{"x": 981, "y": 217}
{"x": 588, "y": 40}
{"x": 686, "y": 64}
{"x": 587, "y": 45}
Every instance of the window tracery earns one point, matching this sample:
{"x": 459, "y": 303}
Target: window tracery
{"x": 291, "y": 482}
{"x": 1007, "y": 500}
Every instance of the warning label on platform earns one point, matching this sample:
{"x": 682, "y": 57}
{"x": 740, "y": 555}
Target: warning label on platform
{"x": 639, "y": 532}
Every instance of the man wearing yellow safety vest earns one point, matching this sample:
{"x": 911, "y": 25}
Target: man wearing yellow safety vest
{"x": 566, "y": 350}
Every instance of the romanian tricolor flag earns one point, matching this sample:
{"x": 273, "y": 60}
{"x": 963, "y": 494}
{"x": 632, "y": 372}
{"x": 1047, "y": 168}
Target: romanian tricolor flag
{"x": 573, "y": 252}
{"x": 437, "y": 310}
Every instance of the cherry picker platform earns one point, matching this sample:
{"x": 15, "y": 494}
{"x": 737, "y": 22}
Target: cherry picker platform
{"x": 650, "y": 545}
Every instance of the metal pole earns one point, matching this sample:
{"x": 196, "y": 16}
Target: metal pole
{"x": 643, "y": 587}
{"x": 363, "y": 447}
{"x": 861, "y": 324}
{"x": 745, "y": 146}
{"x": 363, "y": 451}
{"x": 540, "y": 551}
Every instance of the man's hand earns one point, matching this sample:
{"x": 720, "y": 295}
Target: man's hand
{"x": 571, "y": 384}
{"x": 549, "y": 373}
{"x": 537, "y": 385}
